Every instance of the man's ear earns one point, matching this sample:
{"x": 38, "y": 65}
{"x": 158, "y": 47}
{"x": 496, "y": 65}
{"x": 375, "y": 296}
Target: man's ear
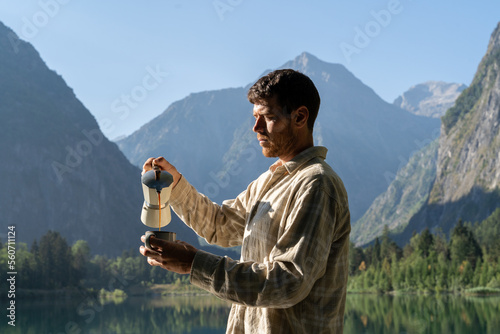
{"x": 300, "y": 116}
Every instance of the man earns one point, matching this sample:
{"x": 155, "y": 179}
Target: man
{"x": 292, "y": 223}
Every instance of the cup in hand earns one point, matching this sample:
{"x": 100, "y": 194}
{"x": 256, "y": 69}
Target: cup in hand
{"x": 163, "y": 235}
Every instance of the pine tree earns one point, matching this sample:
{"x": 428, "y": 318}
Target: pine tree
{"x": 463, "y": 245}
{"x": 54, "y": 261}
{"x": 375, "y": 258}
{"x": 425, "y": 242}
{"x": 81, "y": 257}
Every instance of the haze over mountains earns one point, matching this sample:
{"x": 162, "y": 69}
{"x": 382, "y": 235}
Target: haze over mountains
{"x": 59, "y": 172}
{"x": 208, "y": 136}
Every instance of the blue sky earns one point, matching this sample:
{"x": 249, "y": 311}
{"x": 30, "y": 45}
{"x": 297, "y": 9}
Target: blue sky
{"x": 127, "y": 61}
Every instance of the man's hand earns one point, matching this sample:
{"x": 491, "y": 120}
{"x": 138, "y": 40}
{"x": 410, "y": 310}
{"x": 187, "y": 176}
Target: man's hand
{"x": 164, "y": 165}
{"x": 176, "y": 256}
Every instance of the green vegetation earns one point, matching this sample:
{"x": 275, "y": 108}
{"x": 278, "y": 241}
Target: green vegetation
{"x": 422, "y": 314}
{"x": 467, "y": 263}
{"x": 484, "y": 79}
{"x": 51, "y": 264}
{"x": 464, "y": 103}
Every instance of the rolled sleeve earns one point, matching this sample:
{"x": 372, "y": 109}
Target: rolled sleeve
{"x": 222, "y": 225}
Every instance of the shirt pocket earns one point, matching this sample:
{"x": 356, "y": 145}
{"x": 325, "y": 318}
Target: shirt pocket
{"x": 261, "y": 232}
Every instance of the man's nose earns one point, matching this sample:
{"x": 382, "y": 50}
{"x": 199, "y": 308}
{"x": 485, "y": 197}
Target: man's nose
{"x": 258, "y": 126}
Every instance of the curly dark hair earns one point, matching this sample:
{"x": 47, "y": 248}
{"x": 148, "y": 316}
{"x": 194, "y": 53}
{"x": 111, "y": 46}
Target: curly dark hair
{"x": 292, "y": 89}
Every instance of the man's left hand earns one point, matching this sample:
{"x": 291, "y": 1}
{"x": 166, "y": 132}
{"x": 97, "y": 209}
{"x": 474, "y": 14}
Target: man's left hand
{"x": 176, "y": 256}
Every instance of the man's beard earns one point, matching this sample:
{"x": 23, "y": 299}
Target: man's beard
{"x": 279, "y": 144}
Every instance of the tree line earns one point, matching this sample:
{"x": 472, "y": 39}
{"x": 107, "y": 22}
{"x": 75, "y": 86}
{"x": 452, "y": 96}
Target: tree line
{"x": 51, "y": 263}
{"x": 429, "y": 262}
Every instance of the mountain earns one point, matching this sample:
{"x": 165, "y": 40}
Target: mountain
{"x": 208, "y": 136}
{"x": 467, "y": 184}
{"x": 409, "y": 191}
{"x": 58, "y": 171}
{"x": 193, "y": 133}
{"x": 405, "y": 196}
{"x": 431, "y": 98}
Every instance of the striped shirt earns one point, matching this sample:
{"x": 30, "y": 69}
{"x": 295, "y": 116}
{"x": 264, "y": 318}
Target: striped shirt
{"x": 293, "y": 226}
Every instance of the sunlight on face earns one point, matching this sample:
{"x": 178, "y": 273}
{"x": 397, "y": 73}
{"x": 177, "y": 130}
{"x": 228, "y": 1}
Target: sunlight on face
{"x": 273, "y": 129}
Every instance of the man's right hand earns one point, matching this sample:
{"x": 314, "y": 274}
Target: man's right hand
{"x": 164, "y": 165}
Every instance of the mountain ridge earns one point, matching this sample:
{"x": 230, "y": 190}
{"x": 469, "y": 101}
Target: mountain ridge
{"x": 467, "y": 184}
{"x": 59, "y": 171}
{"x": 352, "y": 118}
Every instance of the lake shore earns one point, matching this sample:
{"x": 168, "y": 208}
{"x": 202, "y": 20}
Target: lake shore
{"x": 165, "y": 290}
{"x": 477, "y": 291}
{"x": 153, "y": 290}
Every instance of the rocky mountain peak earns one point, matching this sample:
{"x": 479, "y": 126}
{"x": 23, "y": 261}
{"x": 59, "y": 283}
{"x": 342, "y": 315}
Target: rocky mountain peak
{"x": 494, "y": 44}
{"x": 470, "y": 141}
{"x": 431, "y": 98}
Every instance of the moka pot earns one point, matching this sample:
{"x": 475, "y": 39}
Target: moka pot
{"x": 156, "y": 182}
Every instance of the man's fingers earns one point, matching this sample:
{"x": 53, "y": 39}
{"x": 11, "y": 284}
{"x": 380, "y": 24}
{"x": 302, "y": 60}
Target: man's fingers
{"x": 175, "y": 256}
{"x": 167, "y": 166}
{"x": 148, "y": 165}
{"x": 153, "y": 262}
{"x": 164, "y": 165}
{"x": 154, "y": 258}
{"x": 148, "y": 252}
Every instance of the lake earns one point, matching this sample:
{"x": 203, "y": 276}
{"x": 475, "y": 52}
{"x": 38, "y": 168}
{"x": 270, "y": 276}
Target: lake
{"x": 208, "y": 315}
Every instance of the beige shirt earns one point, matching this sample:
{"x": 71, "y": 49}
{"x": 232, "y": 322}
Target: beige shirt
{"x": 293, "y": 226}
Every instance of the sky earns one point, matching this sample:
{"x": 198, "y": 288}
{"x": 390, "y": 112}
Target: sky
{"x": 127, "y": 61}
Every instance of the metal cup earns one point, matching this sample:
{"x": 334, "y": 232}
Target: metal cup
{"x": 163, "y": 235}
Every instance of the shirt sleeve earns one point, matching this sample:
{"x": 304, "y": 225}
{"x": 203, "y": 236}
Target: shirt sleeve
{"x": 222, "y": 225}
{"x": 295, "y": 263}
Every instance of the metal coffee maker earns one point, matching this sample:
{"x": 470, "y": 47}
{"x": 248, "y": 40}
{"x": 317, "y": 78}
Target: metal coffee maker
{"x": 156, "y": 186}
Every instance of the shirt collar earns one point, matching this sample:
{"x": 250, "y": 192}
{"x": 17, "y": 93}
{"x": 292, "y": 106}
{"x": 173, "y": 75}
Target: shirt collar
{"x": 300, "y": 159}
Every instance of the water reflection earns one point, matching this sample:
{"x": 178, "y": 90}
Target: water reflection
{"x": 422, "y": 314}
{"x": 208, "y": 315}
{"x": 178, "y": 314}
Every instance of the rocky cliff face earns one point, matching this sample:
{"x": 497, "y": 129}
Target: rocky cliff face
{"x": 406, "y": 195}
{"x": 469, "y": 144}
{"x": 431, "y": 99}
{"x": 467, "y": 184}
{"x": 455, "y": 177}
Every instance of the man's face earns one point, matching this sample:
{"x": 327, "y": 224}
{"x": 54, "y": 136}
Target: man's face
{"x": 273, "y": 129}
